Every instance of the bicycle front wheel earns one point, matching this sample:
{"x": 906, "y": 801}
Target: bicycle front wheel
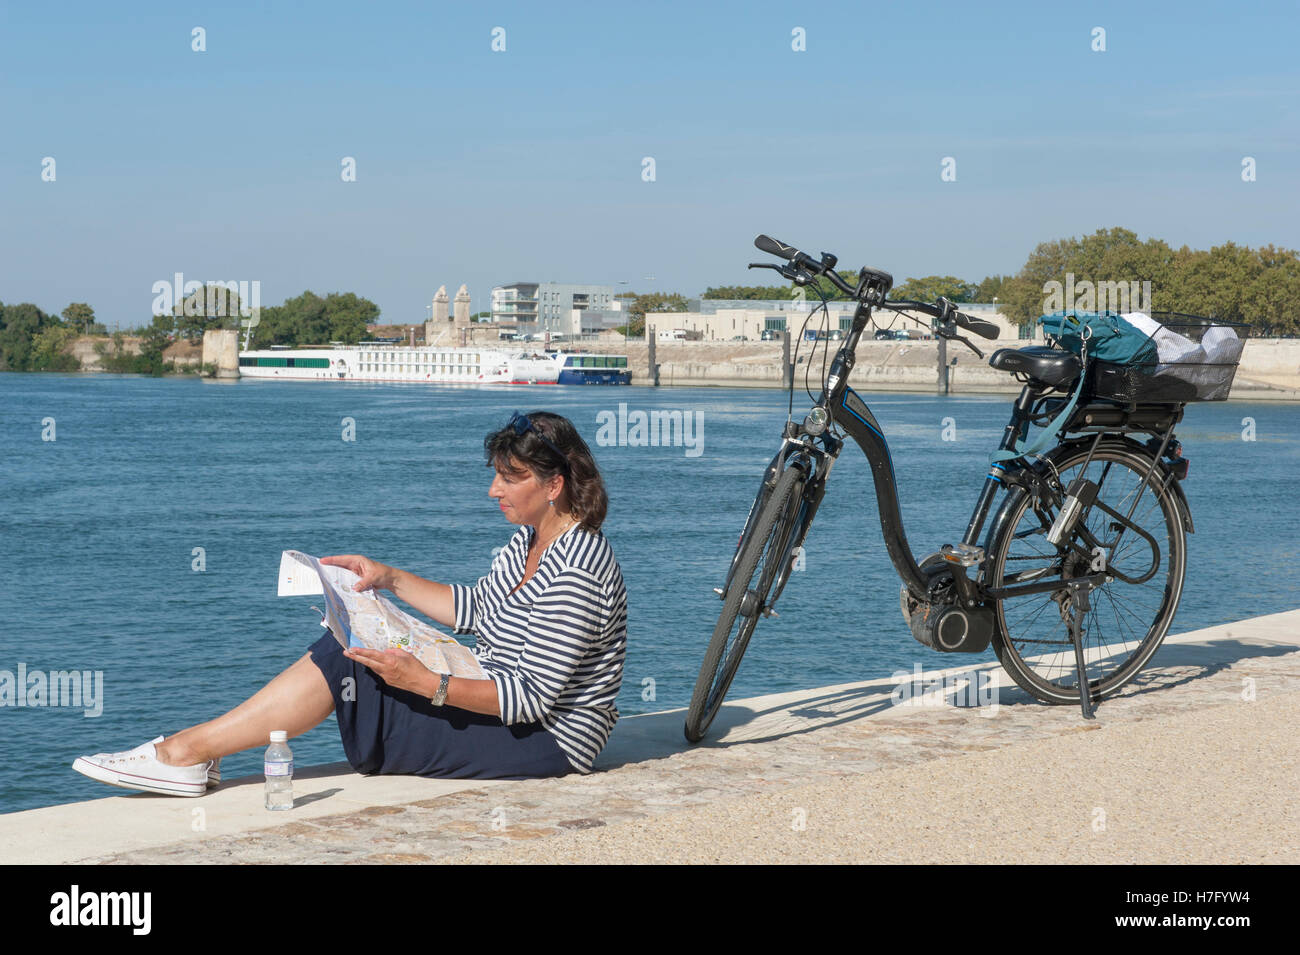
{"x": 763, "y": 551}
{"x": 1129, "y": 614}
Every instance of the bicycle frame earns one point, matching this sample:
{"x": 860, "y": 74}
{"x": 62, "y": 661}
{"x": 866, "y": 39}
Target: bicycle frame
{"x": 946, "y": 607}
{"x": 848, "y": 410}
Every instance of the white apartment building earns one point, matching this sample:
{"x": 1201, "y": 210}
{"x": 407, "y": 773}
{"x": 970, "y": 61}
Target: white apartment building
{"x": 550, "y": 305}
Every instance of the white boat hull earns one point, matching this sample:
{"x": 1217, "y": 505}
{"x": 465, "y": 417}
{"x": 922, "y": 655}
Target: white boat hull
{"x": 387, "y": 363}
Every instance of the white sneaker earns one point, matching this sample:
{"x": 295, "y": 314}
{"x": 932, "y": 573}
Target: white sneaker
{"x": 214, "y": 773}
{"x": 140, "y": 768}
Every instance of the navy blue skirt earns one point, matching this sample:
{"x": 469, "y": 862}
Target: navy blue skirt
{"x": 388, "y": 731}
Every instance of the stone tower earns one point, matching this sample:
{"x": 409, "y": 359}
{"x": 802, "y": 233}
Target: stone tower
{"x": 440, "y": 317}
{"x": 460, "y": 314}
{"x": 439, "y": 323}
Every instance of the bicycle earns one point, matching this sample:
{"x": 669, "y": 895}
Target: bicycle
{"x": 1072, "y": 585}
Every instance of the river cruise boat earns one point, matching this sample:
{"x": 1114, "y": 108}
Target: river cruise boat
{"x": 587, "y": 369}
{"x": 433, "y": 365}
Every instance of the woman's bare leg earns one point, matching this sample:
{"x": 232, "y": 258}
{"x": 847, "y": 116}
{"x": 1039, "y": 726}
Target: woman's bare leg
{"x": 295, "y": 701}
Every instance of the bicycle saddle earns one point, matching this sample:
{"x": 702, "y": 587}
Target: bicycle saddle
{"x": 1050, "y": 365}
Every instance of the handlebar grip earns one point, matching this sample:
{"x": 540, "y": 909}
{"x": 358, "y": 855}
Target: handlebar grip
{"x": 766, "y": 243}
{"x": 977, "y": 325}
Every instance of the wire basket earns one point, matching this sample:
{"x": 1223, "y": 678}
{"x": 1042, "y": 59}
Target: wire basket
{"x": 1198, "y": 360}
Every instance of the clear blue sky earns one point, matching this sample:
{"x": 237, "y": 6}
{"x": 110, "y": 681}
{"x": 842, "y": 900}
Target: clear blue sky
{"x": 485, "y": 167}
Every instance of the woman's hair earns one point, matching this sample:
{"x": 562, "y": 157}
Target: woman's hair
{"x": 584, "y": 490}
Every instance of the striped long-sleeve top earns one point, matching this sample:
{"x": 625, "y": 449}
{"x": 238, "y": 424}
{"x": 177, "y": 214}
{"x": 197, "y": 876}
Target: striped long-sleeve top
{"x": 555, "y": 647}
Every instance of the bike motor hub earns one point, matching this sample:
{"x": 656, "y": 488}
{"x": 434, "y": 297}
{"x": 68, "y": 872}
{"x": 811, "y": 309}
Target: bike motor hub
{"x": 947, "y": 627}
{"x": 937, "y": 621}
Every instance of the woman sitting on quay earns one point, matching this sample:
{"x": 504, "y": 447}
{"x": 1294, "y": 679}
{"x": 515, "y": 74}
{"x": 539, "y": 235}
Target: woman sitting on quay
{"x": 551, "y": 625}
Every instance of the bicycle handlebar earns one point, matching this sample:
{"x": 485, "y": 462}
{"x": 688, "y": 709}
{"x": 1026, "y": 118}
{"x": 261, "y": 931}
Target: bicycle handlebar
{"x": 977, "y": 325}
{"x": 873, "y": 286}
{"x": 765, "y": 243}
{"x": 802, "y": 260}
{"x": 945, "y": 312}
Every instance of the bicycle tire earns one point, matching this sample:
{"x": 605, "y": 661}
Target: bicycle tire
{"x": 1141, "y": 612}
{"x": 755, "y": 509}
{"x": 770, "y": 535}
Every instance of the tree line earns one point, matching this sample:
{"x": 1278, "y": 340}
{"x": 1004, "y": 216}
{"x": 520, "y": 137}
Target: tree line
{"x": 925, "y": 289}
{"x": 1230, "y": 282}
{"x": 34, "y": 340}
{"x": 639, "y": 305}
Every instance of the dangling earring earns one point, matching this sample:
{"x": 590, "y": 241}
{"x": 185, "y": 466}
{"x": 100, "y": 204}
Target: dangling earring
{"x": 551, "y": 502}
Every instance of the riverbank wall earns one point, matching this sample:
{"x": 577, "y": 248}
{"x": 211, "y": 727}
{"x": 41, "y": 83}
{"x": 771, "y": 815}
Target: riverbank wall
{"x": 87, "y": 350}
{"x": 1269, "y": 369}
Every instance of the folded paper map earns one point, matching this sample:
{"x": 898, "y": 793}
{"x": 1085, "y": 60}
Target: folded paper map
{"x": 366, "y": 619}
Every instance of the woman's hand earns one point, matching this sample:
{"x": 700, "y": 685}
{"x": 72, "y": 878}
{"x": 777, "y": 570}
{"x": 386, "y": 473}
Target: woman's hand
{"x": 373, "y": 574}
{"x": 431, "y": 599}
{"x": 397, "y": 668}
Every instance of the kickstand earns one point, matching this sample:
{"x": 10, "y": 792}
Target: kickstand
{"x": 1079, "y": 603}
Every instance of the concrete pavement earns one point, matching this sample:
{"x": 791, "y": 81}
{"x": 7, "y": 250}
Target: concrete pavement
{"x": 1195, "y": 761}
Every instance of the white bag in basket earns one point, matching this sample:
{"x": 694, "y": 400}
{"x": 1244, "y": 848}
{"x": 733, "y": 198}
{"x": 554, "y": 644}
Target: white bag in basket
{"x": 1171, "y": 347}
{"x": 1221, "y": 344}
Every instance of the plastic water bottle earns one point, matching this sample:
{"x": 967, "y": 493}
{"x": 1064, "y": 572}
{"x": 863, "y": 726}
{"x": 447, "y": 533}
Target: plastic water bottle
{"x": 278, "y": 765}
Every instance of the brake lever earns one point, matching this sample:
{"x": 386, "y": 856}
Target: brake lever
{"x": 967, "y": 342}
{"x": 792, "y": 272}
{"x": 953, "y": 336}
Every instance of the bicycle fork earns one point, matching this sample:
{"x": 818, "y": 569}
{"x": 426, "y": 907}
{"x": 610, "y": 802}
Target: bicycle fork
{"x": 815, "y": 463}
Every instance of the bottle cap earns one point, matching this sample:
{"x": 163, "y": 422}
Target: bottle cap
{"x": 279, "y": 736}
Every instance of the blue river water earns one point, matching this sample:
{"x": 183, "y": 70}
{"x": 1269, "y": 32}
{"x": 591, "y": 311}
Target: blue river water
{"x": 101, "y": 530}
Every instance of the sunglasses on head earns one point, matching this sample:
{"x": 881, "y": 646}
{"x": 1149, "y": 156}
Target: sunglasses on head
{"x": 522, "y": 424}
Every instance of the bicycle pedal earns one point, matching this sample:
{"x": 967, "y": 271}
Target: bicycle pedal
{"x": 966, "y": 555}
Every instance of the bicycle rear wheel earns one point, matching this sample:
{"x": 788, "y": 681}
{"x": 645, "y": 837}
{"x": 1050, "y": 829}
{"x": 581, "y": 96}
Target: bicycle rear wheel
{"x": 763, "y": 551}
{"x": 1129, "y": 618}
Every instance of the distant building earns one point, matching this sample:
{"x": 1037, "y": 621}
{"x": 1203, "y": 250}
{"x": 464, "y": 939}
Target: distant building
{"x": 716, "y": 319}
{"x": 724, "y": 325}
{"x": 774, "y": 306}
{"x": 725, "y": 320}
{"x": 515, "y": 303}
{"x": 550, "y": 305}
{"x": 593, "y": 321}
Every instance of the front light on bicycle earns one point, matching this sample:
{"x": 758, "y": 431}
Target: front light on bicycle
{"x": 816, "y": 421}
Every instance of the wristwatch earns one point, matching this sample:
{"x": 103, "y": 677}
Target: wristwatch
{"x": 440, "y": 697}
